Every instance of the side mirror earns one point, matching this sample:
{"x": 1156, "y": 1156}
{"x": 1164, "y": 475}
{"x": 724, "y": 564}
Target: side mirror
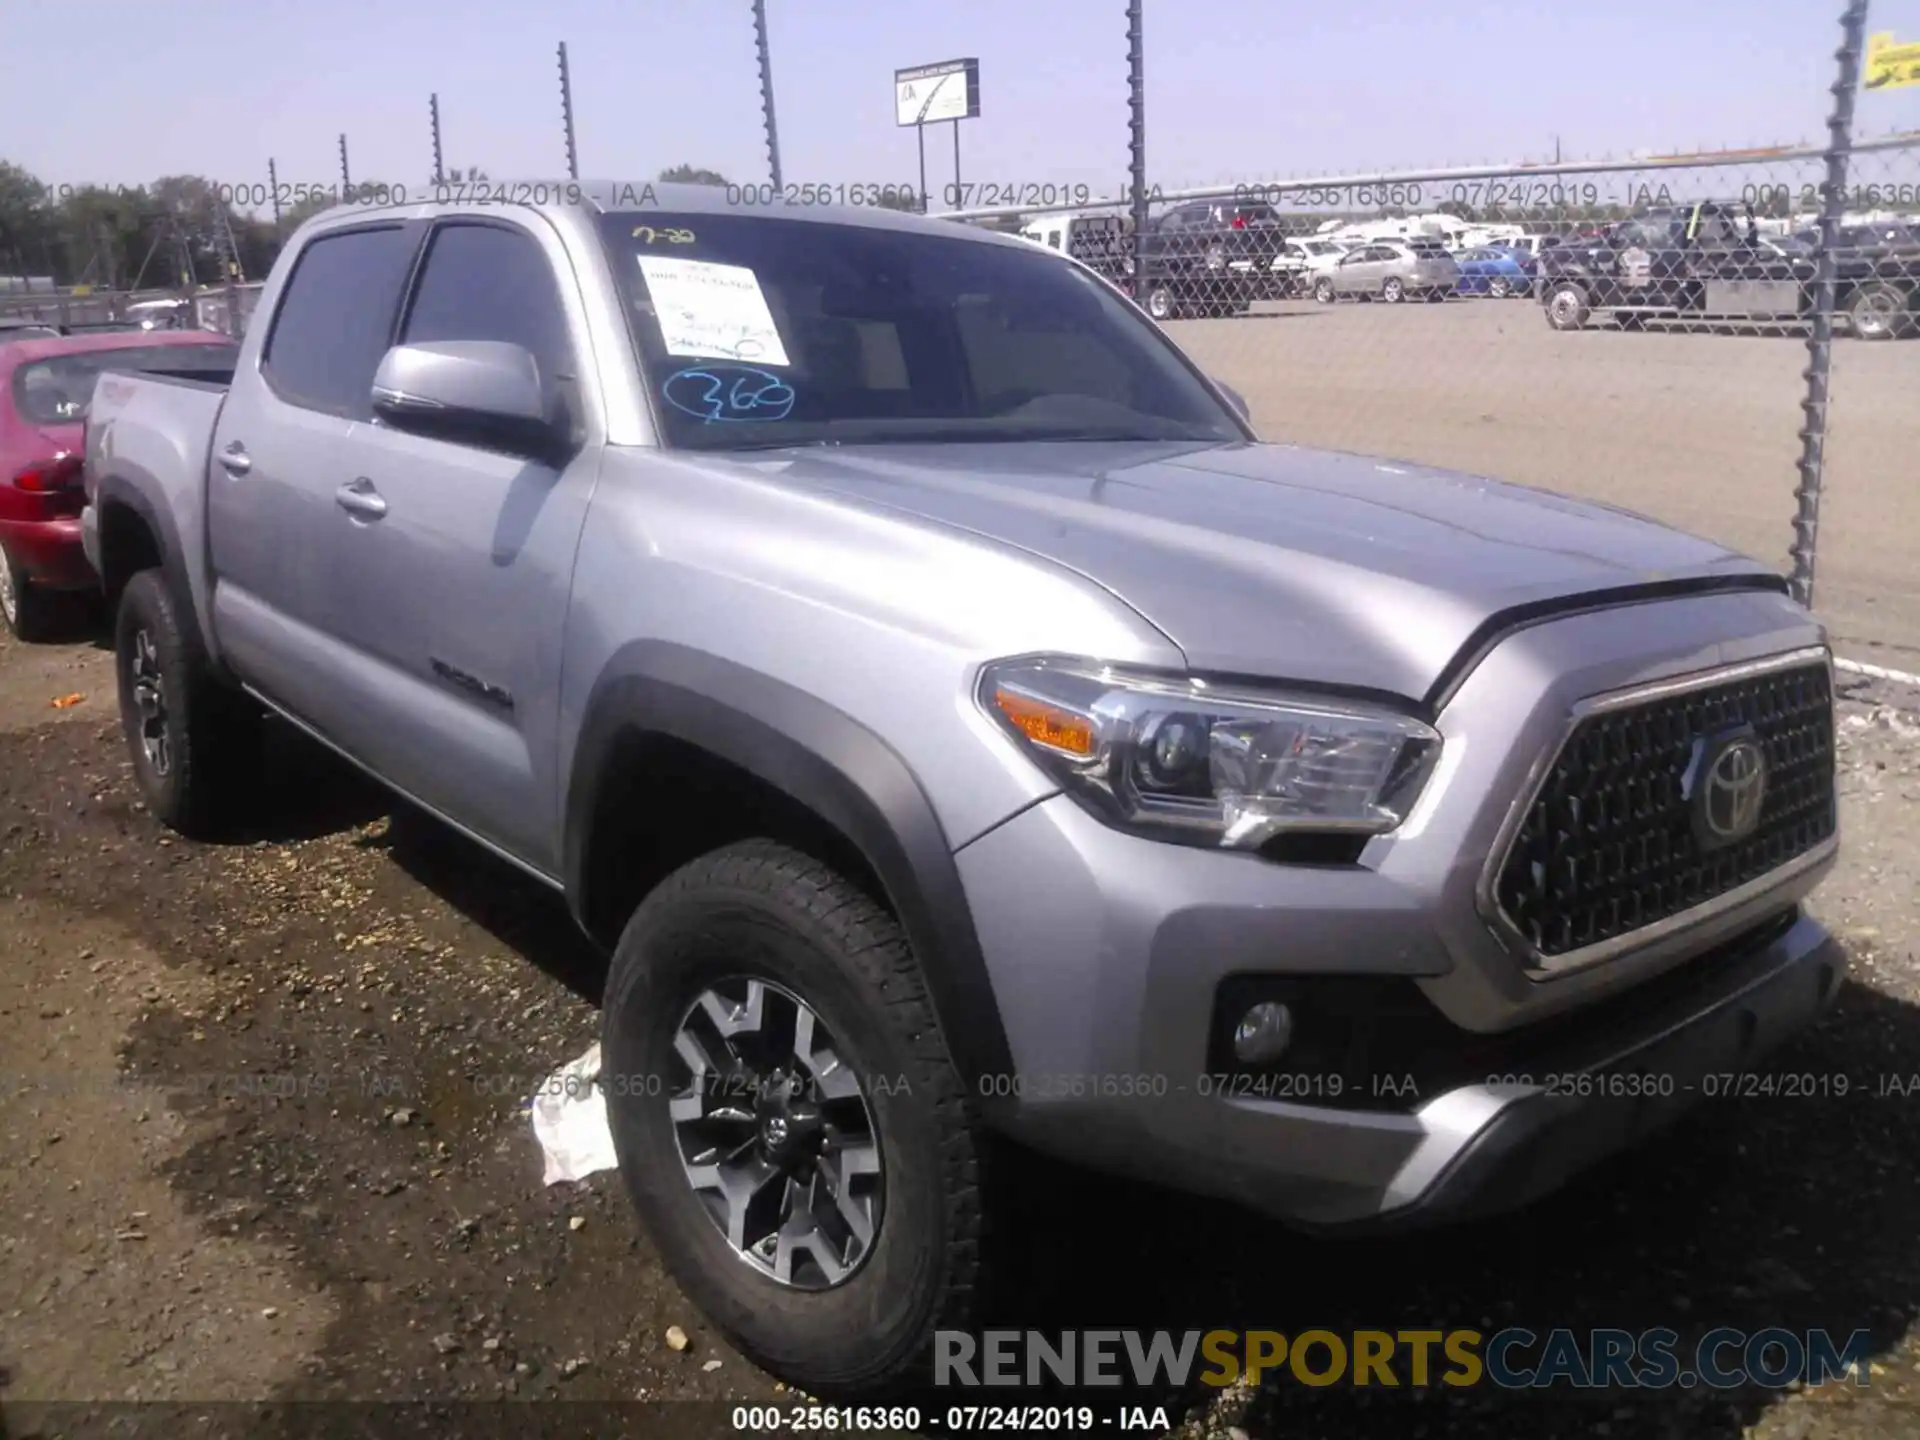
{"x": 1235, "y": 399}
{"x": 481, "y": 392}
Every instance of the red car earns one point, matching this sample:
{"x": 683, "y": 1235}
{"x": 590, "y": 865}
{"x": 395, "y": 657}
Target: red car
{"x": 45, "y": 388}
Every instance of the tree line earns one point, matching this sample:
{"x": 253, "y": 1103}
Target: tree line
{"x": 178, "y": 231}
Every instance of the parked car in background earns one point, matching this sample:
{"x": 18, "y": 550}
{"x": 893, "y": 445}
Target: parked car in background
{"x": 1210, "y": 257}
{"x": 45, "y": 386}
{"x": 1496, "y": 272}
{"x": 1321, "y": 255}
{"x": 1706, "y": 262}
{"x": 1391, "y": 270}
{"x": 11, "y": 329}
{"x": 1529, "y": 245}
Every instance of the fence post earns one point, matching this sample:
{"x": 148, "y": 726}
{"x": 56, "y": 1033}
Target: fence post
{"x": 1137, "y": 131}
{"x": 1813, "y": 433}
{"x": 566, "y": 114}
{"x": 766, "y": 90}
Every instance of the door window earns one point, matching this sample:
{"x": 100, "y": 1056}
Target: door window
{"x": 490, "y": 282}
{"x": 334, "y": 320}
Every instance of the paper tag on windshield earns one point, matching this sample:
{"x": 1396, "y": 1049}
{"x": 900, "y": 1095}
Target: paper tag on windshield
{"x": 712, "y": 311}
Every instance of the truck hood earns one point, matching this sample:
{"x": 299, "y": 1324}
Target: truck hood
{"x": 1272, "y": 560}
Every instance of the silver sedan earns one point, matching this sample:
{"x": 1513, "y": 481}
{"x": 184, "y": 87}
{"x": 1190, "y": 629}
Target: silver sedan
{"x": 1390, "y": 270}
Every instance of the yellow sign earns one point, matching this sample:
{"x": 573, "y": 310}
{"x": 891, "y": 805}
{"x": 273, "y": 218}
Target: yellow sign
{"x": 1890, "y": 65}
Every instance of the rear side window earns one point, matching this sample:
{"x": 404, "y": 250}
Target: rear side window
{"x": 335, "y": 318}
{"x": 490, "y": 282}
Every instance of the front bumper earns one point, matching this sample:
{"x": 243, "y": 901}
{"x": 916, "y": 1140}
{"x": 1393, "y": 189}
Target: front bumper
{"x": 1494, "y": 1148}
{"x": 1111, "y": 958}
{"x": 1113, "y": 1070}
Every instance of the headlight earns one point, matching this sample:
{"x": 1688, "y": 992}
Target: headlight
{"x": 1236, "y": 767}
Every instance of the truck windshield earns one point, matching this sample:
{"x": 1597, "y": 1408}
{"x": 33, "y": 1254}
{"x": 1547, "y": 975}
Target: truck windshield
{"x": 58, "y": 390}
{"x": 757, "y": 332}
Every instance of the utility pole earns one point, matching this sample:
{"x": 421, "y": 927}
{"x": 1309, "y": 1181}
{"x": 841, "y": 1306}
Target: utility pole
{"x": 273, "y": 188}
{"x": 566, "y": 114}
{"x": 346, "y": 178}
{"x": 439, "y": 169}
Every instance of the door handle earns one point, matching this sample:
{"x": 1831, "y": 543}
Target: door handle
{"x": 360, "y": 499}
{"x": 235, "y": 460}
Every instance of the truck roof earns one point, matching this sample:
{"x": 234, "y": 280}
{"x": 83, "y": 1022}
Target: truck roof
{"x": 592, "y": 198}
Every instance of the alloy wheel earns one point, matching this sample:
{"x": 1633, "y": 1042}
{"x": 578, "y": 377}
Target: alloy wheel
{"x": 9, "y": 597}
{"x": 775, "y": 1135}
{"x": 150, "y": 700}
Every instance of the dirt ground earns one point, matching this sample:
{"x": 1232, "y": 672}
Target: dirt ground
{"x": 1698, "y": 429}
{"x": 375, "y": 1229}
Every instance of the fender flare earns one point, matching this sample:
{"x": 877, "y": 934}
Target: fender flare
{"x": 114, "y": 490}
{"x": 835, "y": 766}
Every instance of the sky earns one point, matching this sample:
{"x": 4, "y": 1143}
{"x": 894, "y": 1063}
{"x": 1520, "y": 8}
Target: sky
{"x": 115, "y": 93}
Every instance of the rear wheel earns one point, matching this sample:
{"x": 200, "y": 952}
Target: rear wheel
{"x": 1393, "y": 292}
{"x": 1500, "y": 287}
{"x": 1879, "y": 312}
{"x": 31, "y": 613}
{"x": 1567, "y": 306}
{"x": 789, "y": 1122}
{"x": 1160, "y": 303}
{"x": 1323, "y": 291}
{"x": 190, "y": 737}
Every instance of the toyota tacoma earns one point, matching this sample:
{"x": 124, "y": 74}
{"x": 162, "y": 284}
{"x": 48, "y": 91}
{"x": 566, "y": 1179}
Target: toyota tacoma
{"x": 964, "y": 734}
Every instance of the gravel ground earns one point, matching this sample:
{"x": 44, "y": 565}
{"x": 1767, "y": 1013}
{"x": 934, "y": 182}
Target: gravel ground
{"x": 381, "y": 1232}
{"x": 1696, "y": 428}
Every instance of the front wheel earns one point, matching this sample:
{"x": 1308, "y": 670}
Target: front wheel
{"x": 1393, "y": 292}
{"x": 1500, "y": 287}
{"x": 1567, "y": 307}
{"x": 1160, "y": 303}
{"x": 789, "y": 1122}
{"x": 1879, "y": 312}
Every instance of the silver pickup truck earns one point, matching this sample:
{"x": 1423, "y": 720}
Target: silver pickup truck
{"x": 960, "y": 729}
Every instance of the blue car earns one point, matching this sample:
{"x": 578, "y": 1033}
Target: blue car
{"x": 1493, "y": 271}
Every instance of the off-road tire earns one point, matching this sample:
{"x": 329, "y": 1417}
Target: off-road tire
{"x": 212, "y": 732}
{"x": 764, "y": 910}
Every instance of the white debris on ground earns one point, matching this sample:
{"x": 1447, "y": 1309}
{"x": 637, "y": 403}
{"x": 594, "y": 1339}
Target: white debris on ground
{"x": 570, "y": 1121}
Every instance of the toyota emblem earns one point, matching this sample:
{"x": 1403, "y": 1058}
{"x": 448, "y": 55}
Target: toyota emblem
{"x": 1731, "y": 790}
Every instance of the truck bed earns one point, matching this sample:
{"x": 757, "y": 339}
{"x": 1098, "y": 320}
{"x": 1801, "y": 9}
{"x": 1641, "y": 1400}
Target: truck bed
{"x": 149, "y": 443}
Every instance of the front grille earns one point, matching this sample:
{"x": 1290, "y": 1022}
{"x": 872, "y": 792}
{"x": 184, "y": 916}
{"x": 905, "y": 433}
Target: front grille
{"x": 1608, "y": 845}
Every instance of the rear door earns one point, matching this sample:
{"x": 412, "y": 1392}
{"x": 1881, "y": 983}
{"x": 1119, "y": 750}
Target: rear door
{"x": 281, "y": 449}
{"x": 1366, "y": 269}
{"x": 1736, "y": 276}
{"x": 455, "y": 598}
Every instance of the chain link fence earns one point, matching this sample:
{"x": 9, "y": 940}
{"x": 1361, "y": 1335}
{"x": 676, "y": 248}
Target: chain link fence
{"x": 1634, "y": 332}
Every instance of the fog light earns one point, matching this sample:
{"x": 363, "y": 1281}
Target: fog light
{"x": 1263, "y": 1034}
